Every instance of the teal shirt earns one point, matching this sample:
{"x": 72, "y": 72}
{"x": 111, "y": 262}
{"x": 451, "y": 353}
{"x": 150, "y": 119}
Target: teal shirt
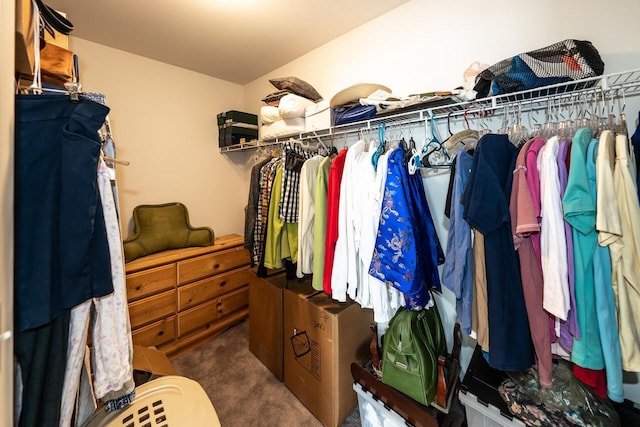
{"x": 580, "y": 213}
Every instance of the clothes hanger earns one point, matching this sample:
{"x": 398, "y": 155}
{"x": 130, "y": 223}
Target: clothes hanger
{"x": 114, "y": 160}
{"x": 380, "y": 148}
{"x": 621, "y": 125}
{"x": 517, "y": 132}
{"x": 434, "y": 155}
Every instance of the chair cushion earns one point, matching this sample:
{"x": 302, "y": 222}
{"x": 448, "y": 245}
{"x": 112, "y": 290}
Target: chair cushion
{"x": 162, "y": 227}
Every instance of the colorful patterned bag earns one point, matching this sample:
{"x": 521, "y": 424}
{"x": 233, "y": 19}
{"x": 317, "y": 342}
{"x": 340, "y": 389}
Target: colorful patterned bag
{"x": 561, "y": 62}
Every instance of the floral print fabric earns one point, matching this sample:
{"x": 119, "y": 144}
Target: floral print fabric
{"x": 407, "y": 251}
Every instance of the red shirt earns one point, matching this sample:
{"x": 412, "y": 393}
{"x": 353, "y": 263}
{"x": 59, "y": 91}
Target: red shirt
{"x": 333, "y": 203}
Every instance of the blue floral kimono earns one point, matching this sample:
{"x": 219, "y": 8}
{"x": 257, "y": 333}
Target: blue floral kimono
{"x": 407, "y": 251}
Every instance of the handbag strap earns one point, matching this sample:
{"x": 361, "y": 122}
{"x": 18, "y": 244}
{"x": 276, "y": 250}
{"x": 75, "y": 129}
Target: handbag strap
{"x": 54, "y": 19}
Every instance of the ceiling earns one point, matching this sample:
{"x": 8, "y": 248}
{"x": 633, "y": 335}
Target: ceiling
{"x": 234, "y": 40}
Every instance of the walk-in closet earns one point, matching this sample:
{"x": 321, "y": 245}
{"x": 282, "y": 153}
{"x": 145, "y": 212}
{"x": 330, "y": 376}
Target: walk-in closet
{"x": 342, "y": 214}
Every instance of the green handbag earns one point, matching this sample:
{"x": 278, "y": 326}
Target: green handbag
{"x": 409, "y": 363}
{"x": 433, "y": 331}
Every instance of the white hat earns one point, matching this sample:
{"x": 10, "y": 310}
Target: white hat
{"x": 355, "y": 92}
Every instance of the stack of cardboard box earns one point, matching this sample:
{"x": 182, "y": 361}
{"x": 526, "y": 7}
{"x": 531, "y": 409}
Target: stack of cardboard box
{"x": 308, "y": 340}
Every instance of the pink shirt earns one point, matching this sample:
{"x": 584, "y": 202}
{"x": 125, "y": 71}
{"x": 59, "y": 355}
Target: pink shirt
{"x": 524, "y": 225}
{"x": 533, "y": 181}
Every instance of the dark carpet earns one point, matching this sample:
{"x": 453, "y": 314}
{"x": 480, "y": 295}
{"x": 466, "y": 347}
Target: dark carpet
{"x": 243, "y": 391}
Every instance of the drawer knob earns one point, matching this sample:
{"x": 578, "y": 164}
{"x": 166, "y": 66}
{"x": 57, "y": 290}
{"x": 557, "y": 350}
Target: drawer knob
{"x": 216, "y": 266}
{"x": 223, "y": 283}
{"x": 138, "y": 287}
{"x": 161, "y": 333}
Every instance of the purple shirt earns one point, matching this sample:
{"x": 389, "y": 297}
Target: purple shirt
{"x": 568, "y": 329}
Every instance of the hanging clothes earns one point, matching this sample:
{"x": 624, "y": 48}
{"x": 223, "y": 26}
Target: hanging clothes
{"x": 626, "y": 258}
{"x": 457, "y": 274}
{"x": 404, "y": 237}
{"x": 345, "y": 265}
{"x": 487, "y": 209}
{"x": 533, "y": 180}
{"x": 580, "y": 211}
{"x": 293, "y": 157}
{"x": 61, "y": 250}
{"x": 333, "y": 205}
{"x": 605, "y": 308}
{"x": 361, "y": 195}
{"x": 384, "y": 299}
{"x": 112, "y": 344}
{"x": 42, "y": 357}
{"x": 253, "y": 207}
{"x": 320, "y": 223}
{"x": 635, "y": 142}
{"x": 267, "y": 175}
{"x": 553, "y": 245}
{"x": 62, "y": 255}
{"x": 306, "y": 215}
{"x": 524, "y": 223}
{"x": 569, "y": 329}
{"x": 480, "y": 303}
{"x": 281, "y": 237}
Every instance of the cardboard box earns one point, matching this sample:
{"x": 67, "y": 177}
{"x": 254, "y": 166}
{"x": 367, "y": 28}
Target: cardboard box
{"x": 322, "y": 338}
{"x": 266, "y": 322}
{"x": 24, "y": 55}
{"x": 149, "y": 363}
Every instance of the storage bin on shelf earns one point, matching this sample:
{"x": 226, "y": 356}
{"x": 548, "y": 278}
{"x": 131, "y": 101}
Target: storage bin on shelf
{"x": 479, "y": 395}
{"x": 373, "y": 412}
{"x": 236, "y": 127}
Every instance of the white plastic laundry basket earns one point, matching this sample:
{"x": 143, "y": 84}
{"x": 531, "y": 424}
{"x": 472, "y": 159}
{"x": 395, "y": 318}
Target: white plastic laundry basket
{"x": 170, "y": 401}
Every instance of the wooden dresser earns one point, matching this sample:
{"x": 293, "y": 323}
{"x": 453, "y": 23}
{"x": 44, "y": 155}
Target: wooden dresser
{"x": 179, "y": 298}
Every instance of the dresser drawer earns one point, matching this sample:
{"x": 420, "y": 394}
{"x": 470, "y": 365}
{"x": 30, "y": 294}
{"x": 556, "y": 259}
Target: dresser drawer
{"x": 233, "y": 301}
{"x": 156, "y": 334}
{"x": 153, "y": 308}
{"x": 150, "y": 281}
{"x": 199, "y": 317}
{"x": 207, "y": 265}
{"x": 207, "y": 289}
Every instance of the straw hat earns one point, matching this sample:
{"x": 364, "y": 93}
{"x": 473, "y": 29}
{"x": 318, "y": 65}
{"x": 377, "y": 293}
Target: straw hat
{"x": 354, "y": 93}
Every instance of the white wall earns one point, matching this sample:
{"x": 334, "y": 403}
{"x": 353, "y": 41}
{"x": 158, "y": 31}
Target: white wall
{"x": 164, "y": 123}
{"x": 426, "y": 45}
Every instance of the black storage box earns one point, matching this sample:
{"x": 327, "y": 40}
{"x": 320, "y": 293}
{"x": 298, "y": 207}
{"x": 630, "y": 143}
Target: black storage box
{"x": 236, "y": 126}
{"x": 234, "y": 116}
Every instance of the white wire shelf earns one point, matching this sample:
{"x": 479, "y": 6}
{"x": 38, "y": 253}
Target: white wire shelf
{"x": 602, "y": 89}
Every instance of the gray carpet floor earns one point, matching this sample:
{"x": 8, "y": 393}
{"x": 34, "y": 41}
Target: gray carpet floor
{"x": 243, "y": 391}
